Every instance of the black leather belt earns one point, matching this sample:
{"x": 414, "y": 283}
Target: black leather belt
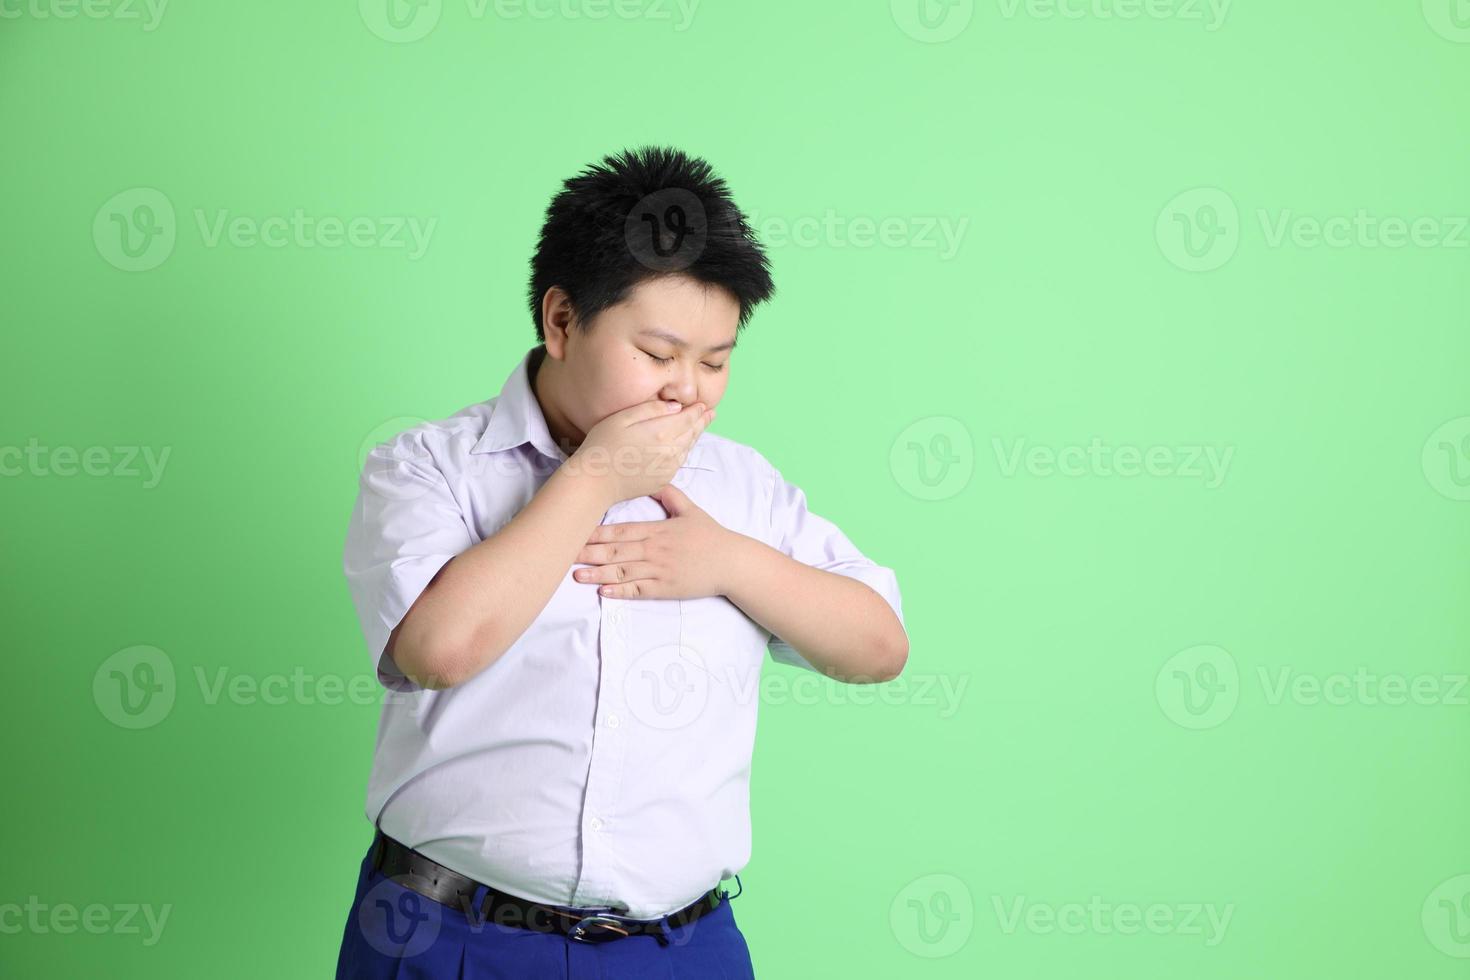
{"x": 429, "y": 878}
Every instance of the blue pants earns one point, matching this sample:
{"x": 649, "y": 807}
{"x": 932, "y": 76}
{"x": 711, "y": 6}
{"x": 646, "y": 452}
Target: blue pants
{"x": 393, "y": 933}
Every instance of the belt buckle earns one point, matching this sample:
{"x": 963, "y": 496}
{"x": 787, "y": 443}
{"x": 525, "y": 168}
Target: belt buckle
{"x": 611, "y": 924}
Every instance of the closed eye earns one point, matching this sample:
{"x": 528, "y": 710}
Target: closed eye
{"x": 666, "y": 360}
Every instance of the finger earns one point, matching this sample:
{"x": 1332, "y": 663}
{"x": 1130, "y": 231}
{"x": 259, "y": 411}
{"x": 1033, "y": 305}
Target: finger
{"x": 685, "y": 441}
{"x": 693, "y": 425}
{"x": 704, "y": 420}
{"x": 618, "y": 573}
{"x": 698, "y": 415}
{"x": 627, "y": 531}
{"x": 643, "y": 411}
{"x": 687, "y": 416}
{"x": 643, "y": 589}
{"x": 607, "y": 554}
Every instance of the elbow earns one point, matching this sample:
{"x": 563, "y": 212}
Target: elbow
{"x": 456, "y": 657}
{"x": 434, "y": 666}
{"x": 433, "y": 679}
{"x": 894, "y": 658}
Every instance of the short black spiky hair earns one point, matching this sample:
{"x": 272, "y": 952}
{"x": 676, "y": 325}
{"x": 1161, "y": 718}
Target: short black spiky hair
{"x": 640, "y": 214}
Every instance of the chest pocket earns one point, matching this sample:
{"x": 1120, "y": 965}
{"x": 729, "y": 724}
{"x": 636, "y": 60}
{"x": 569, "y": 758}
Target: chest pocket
{"x": 691, "y": 661}
{"x": 686, "y": 656}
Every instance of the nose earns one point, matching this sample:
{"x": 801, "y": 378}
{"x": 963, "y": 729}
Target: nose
{"x": 682, "y": 388}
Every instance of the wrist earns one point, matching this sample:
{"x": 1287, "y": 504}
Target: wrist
{"x": 594, "y": 490}
{"x": 741, "y": 565}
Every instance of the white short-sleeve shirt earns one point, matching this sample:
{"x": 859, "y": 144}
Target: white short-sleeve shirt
{"x": 604, "y": 759}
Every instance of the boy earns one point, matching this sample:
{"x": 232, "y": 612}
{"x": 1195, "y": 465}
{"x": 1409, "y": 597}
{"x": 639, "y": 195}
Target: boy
{"x": 568, "y": 590}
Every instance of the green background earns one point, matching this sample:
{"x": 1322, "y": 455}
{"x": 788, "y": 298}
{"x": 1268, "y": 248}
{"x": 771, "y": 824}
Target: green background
{"x": 1069, "y": 609}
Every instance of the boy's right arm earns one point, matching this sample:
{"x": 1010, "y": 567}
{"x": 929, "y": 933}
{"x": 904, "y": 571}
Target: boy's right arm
{"x": 451, "y": 632}
{"x": 483, "y": 596}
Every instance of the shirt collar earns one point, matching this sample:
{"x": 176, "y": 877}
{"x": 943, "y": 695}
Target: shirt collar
{"x": 517, "y": 419}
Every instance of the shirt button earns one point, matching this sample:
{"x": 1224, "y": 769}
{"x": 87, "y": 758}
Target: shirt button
{"x": 596, "y": 823}
{"x": 612, "y": 721}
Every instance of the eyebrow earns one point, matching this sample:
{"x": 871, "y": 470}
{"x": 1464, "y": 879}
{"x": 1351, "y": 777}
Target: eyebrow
{"x": 679, "y": 343}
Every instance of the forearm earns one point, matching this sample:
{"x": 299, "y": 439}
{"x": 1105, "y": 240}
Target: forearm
{"x": 458, "y": 629}
{"x": 841, "y": 626}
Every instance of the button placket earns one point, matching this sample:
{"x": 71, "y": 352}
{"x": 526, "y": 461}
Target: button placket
{"x": 609, "y": 751}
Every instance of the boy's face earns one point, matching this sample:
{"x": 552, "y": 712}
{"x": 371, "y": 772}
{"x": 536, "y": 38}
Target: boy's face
{"x": 671, "y": 338}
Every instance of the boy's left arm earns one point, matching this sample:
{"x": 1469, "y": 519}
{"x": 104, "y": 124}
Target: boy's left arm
{"x": 826, "y": 605}
{"x": 838, "y": 624}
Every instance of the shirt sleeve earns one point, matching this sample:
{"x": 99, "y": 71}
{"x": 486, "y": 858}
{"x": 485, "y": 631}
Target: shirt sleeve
{"x": 405, "y": 527}
{"x": 813, "y": 540}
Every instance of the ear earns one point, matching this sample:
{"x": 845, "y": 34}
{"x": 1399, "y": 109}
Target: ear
{"x": 558, "y": 318}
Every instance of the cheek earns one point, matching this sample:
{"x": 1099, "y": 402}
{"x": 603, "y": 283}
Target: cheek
{"x": 632, "y": 386}
{"x": 714, "y": 388}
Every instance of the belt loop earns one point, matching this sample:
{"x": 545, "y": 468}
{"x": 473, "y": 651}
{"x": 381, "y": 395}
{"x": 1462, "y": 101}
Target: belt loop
{"x": 476, "y": 906}
{"x": 663, "y": 931}
{"x": 380, "y": 847}
{"x": 378, "y": 844}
